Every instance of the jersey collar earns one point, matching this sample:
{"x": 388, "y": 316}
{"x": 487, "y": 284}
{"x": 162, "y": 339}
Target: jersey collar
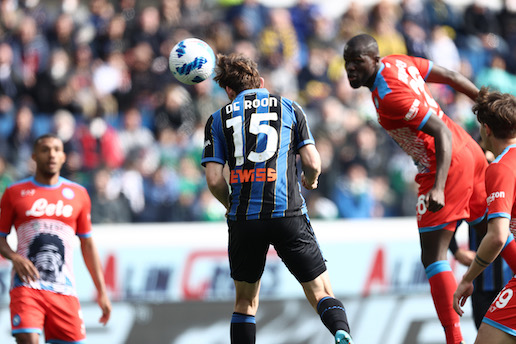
{"x": 377, "y": 79}
{"x": 508, "y": 148}
{"x": 56, "y": 185}
{"x": 253, "y": 90}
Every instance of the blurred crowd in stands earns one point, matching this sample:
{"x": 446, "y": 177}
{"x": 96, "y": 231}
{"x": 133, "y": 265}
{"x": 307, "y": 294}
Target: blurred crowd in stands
{"x": 96, "y": 73}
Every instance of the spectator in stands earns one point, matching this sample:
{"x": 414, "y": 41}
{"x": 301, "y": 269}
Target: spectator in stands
{"x": 62, "y": 34}
{"x": 134, "y": 136}
{"x": 304, "y": 15}
{"x": 170, "y": 11}
{"x": 115, "y": 38}
{"x": 278, "y": 40}
{"x": 353, "y": 20}
{"x": 442, "y": 49}
{"x": 481, "y": 32}
{"x": 128, "y": 181}
{"x": 248, "y": 19}
{"x": 31, "y": 51}
{"x": 149, "y": 29}
{"x": 144, "y": 81}
{"x": 7, "y": 174}
{"x": 64, "y": 126}
{"x": 440, "y": 13}
{"x": 415, "y": 37}
{"x": 353, "y": 193}
{"x": 20, "y": 142}
{"x": 100, "y": 144}
{"x": 507, "y": 19}
{"x": 52, "y": 79}
{"x": 10, "y": 85}
{"x": 161, "y": 191}
{"x": 101, "y": 12}
{"x": 107, "y": 206}
{"x": 496, "y": 76}
{"x": 129, "y": 11}
{"x": 176, "y": 111}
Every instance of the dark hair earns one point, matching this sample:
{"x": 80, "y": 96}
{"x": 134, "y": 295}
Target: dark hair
{"x": 237, "y": 71}
{"x": 498, "y": 111}
{"x": 42, "y": 137}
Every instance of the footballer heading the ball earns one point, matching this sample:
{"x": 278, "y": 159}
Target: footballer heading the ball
{"x": 191, "y": 61}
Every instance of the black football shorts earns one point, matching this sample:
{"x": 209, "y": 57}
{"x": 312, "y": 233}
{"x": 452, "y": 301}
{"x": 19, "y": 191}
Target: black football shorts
{"x": 293, "y": 239}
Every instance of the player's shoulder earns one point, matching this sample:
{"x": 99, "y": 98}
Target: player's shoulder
{"x": 71, "y": 184}
{"x": 506, "y": 159}
{"x": 216, "y": 114}
{"x": 21, "y": 184}
{"x": 72, "y": 190}
{"x": 391, "y": 59}
{"x": 404, "y": 61}
{"x": 401, "y": 57}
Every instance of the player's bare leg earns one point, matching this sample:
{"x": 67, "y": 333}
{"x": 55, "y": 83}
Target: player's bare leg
{"x": 243, "y": 322}
{"x": 27, "y": 338}
{"x": 492, "y": 335}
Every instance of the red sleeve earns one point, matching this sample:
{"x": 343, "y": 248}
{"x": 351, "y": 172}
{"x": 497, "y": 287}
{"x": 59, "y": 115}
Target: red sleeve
{"x": 6, "y": 213}
{"x": 423, "y": 65}
{"x": 112, "y": 153}
{"x": 84, "y": 219}
{"x": 500, "y": 190}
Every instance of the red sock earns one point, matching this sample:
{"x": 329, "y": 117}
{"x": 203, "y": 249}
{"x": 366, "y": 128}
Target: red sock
{"x": 509, "y": 254}
{"x": 442, "y": 287}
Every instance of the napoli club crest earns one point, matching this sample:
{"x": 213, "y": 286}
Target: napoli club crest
{"x": 68, "y": 193}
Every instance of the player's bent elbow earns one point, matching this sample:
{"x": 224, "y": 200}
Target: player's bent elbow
{"x": 312, "y": 165}
{"x": 213, "y": 179}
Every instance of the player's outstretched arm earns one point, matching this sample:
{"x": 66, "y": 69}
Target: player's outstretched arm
{"x": 456, "y": 80}
{"x": 436, "y": 128}
{"x": 23, "y": 267}
{"x": 311, "y": 164}
{"x": 92, "y": 261}
{"x": 490, "y": 247}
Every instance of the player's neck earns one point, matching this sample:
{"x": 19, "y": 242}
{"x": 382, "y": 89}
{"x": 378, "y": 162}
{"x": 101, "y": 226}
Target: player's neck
{"x": 500, "y": 145}
{"x": 46, "y": 180}
{"x": 370, "y": 83}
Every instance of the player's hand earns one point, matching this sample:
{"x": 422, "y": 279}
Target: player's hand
{"x": 465, "y": 257}
{"x": 464, "y": 290}
{"x": 434, "y": 200}
{"x": 306, "y": 184}
{"x": 24, "y": 268}
{"x": 105, "y": 306}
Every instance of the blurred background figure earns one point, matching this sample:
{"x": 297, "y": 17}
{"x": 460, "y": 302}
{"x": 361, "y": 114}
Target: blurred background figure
{"x": 97, "y": 74}
{"x": 107, "y": 206}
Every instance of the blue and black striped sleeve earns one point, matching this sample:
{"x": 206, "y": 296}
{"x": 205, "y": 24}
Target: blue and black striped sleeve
{"x": 303, "y": 133}
{"x": 214, "y": 144}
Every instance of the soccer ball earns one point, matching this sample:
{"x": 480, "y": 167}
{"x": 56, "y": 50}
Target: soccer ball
{"x": 191, "y": 61}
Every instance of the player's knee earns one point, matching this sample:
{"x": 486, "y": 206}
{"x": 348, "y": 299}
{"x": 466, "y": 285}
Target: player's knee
{"x": 429, "y": 258}
{"x": 246, "y": 306}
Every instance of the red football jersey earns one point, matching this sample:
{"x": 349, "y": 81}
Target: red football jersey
{"x": 404, "y": 104}
{"x": 46, "y": 219}
{"x": 501, "y": 187}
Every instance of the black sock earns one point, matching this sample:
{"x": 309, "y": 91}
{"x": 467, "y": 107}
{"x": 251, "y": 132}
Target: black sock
{"x": 243, "y": 329}
{"x": 333, "y": 314}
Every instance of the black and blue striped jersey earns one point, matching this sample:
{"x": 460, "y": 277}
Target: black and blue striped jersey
{"x": 258, "y": 135}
